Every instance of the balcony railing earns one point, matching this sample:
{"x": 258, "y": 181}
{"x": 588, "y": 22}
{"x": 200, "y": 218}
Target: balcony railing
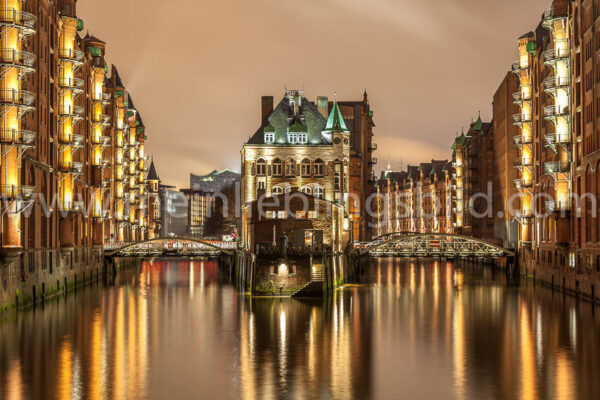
{"x": 520, "y": 97}
{"x": 559, "y": 52}
{"x": 550, "y": 16}
{"x": 21, "y": 98}
{"x": 556, "y": 82}
{"x": 373, "y": 147}
{"x": 373, "y": 161}
{"x": 522, "y": 139}
{"x": 556, "y": 167}
{"x": 517, "y": 67}
{"x": 71, "y": 83}
{"x": 70, "y": 166}
{"x": 72, "y": 206}
{"x": 20, "y": 19}
{"x": 551, "y": 112}
{"x": 557, "y": 206}
{"x": 15, "y": 191}
{"x": 520, "y": 118}
{"x": 18, "y": 137}
{"x": 78, "y": 139}
{"x": 21, "y": 59}
{"x": 522, "y": 162}
{"x": 554, "y": 139}
{"x": 72, "y": 55}
{"x": 70, "y": 110}
{"x": 522, "y": 183}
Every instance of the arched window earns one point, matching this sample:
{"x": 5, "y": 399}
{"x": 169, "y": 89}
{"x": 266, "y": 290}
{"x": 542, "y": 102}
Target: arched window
{"x": 318, "y": 192}
{"x": 277, "y": 190}
{"x": 277, "y": 167}
{"x": 306, "y": 190}
{"x": 318, "y": 168}
{"x": 261, "y": 167}
{"x": 306, "y": 167}
{"x": 290, "y": 167}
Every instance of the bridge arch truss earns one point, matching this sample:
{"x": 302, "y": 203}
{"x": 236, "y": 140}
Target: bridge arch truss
{"x": 173, "y": 247}
{"x": 432, "y": 245}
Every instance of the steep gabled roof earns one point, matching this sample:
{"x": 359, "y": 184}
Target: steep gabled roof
{"x": 336, "y": 122}
{"x": 118, "y": 80}
{"x": 152, "y": 175}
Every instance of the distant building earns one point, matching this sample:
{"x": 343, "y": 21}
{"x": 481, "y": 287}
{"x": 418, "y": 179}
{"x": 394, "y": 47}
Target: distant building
{"x": 216, "y": 181}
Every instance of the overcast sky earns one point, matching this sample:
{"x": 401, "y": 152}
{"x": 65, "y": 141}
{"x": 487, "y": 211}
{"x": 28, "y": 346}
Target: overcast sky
{"x": 197, "y": 68}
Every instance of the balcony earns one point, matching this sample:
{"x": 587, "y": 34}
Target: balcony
{"x": 522, "y": 183}
{"x": 560, "y": 52}
{"x": 18, "y": 137}
{"x": 71, "y": 55}
{"x": 105, "y": 141}
{"x": 551, "y": 113}
{"x": 556, "y": 82}
{"x": 554, "y": 139}
{"x": 520, "y": 97}
{"x": 19, "y": 59}
{"x": 15, "y": 191}
{"x": 103, "y": 215}
{"x": 78, "y": 140}
{"x": 373, "y": 147}
{"x": 70, "y": 111}
{"x": 550, "y": 16}
{"x": 521, "y": 118}
{"x": 70, "y": 166}
{"x": 75, "y": 84}
{"x": 523, "y": 214}
{"x": 517, "y": 68}
{"x": 72, "y": 206}
{"x": 522, "y": 139}
{"x": 556, "y": 167}
{"x": 373, "y": 161}
{"x": 521, "y": 162}
{"x": 19, "y": 98}
{"x": 9, "y": 17}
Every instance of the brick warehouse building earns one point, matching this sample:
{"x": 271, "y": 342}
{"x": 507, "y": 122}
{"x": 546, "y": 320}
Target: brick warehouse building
{"x": 73, "y": 166}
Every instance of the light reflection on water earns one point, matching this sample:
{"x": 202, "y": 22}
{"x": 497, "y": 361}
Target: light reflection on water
{"x": 411, "y": 330}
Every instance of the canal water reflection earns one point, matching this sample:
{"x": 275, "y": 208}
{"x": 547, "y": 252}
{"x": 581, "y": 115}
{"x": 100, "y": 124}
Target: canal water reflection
{"x": 409, "y": 330}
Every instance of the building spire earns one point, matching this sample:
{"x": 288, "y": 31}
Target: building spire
{"x": 336, "y": 122}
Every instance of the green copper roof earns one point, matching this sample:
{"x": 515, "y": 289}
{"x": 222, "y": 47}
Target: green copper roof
{"x": 532, "y": 47}
{"x": 336, "y": 120}
{"x": 118, "y": 93}
{"x": 478, "y": 125}
{"x": 79, "y": 24}
{"x": 298, "y": 127}
{"x": 96, "y": 51}
{"x": 269, "y": 128}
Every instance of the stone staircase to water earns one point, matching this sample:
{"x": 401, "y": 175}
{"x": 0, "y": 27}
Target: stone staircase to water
{"x": 314, "y": 288}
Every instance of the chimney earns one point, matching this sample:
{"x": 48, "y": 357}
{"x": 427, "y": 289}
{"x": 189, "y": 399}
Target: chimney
{"x": 323, "y": 106}
{"x": 267, "y": 107}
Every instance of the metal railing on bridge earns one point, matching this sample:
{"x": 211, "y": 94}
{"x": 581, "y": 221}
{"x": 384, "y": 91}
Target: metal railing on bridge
{"x": 432, "y": 245}
{"x": 170, "y": 247}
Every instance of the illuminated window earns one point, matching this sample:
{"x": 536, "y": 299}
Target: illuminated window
{"x": 277, "y": 190}
{"x": 261, "y": 167}
{"x": 306, "y": 167}
{"x": 306, "y": 190}
{"x": 269, "y": 137}
{"x": 318, "y": 167}
{"x": 318, "y": 192}
{"x": 302, "y": 138}
{"x": 281, "y": 215}
{"x": 277, "y": 167}
{"x": 290, "y": 168}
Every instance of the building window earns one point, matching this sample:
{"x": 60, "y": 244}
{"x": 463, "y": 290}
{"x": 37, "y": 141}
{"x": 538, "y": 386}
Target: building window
{"x": 290, "y": 168}
{"x": 277, "y": 190}
{"x": 318, "y": 167}
{"x": 269, "y": 137}
{"x": 300, "y": 138}
{"x": 261, "y": 167}
{"x": 277, "y": 167}
{"x": 292, "y": 137}
{"x": 260, "y": 186}
{"x": 306, "y": 190}
{"x": 337, "y": 182}
{"x": 306, "y": 167}
{"x": 318, "y": 192}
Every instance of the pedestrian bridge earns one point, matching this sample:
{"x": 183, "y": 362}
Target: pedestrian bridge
{"x": 406, "y": 244}
{"x": 171, "y": 247}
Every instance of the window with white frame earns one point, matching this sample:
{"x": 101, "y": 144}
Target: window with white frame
{"x": 269, "y": 137}
{"x": 306, "y": 190}
{"x": 261, "y": 167}
{"x": 318, "y": 192}
{"x": 277, "y": 190}
{"x": 290, "y": 168}
{"x": 277, "y": 167}
{"x": 306, "y": 167}
{"x": 318, "y": 167}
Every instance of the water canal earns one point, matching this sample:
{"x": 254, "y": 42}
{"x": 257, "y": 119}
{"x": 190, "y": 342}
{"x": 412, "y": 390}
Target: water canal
{"x": 409, "y": 329}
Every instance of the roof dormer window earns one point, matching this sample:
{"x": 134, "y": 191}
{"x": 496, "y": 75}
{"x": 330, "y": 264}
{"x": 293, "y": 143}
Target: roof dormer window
{"x": 297, "y": 138}
{"x": 269, "y": 137}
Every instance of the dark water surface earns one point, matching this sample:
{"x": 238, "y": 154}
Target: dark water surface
{"x": 424, "y": 330}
